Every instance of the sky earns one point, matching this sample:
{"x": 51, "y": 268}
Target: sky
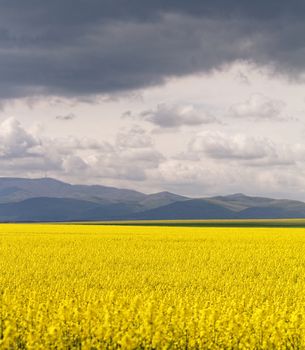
{"x": 195, "y": 97}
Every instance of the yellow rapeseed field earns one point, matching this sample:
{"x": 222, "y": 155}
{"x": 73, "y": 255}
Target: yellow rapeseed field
{"x": 115, "y": 287}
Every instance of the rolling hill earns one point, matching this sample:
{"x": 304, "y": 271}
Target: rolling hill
{"x": 17, "y": 189}
{"x": 52, "y": 200}
{"x": 190, "y": 209}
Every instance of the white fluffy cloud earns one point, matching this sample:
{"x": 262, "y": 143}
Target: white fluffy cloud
{"x": 214, "y": 162}
{"x": 134, "y": 137}
{"x": 258, "y": 107}
{"x": 209, "y": 176}
{"x": 15, "y": 141}
{"x": 129, "y": 157}
{"x": 255, "y": 151}
{"x": 132, "y": 156}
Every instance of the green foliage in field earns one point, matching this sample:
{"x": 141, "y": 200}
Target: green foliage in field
{"x": 206, "y": 223}
{"x": 95, "y": 287}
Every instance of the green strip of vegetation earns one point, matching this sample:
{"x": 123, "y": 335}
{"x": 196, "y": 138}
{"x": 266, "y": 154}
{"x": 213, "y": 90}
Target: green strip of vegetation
{"x": 297, "y": 223}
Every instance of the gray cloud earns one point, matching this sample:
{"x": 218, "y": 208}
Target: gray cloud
{"x": 166, "y": 116}
{"x": 77, "y": 48}
{"x": 66, "y": 117}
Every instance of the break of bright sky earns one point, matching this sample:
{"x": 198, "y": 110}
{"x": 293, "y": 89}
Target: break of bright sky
{"x": 194, "y": 97}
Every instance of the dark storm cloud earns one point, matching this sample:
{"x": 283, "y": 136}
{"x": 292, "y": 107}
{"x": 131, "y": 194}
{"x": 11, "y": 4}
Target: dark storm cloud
{"x": 82, "y": 47}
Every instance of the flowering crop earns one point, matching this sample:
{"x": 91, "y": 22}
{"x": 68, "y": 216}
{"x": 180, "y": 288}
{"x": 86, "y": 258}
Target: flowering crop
{"x": 115, "y": 287}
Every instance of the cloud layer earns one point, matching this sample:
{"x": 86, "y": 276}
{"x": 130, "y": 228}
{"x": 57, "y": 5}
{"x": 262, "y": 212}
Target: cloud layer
{"x": 25, "y": 152}
{"x": 214, "y": 162}
{"x": 75, "y": 48}
{"x": 214, "y": 88}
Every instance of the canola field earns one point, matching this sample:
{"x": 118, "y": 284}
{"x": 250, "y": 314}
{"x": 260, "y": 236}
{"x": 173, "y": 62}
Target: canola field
{"x": 125, "y": 287}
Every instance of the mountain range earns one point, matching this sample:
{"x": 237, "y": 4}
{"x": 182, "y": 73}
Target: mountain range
{"x": 47, "y": 199}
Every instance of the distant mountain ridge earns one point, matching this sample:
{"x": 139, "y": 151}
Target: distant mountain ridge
{"x": 16, "y": 189}
{"x": 48, "y": 199}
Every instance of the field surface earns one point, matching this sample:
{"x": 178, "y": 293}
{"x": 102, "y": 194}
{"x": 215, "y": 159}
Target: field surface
{"x": 127, "y": 287}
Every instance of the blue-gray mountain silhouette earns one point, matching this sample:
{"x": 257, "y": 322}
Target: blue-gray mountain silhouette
{"x": 48, "y": 199}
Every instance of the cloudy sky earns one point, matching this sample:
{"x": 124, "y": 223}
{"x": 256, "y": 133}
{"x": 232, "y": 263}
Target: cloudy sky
{"x": 197, "y": 97}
